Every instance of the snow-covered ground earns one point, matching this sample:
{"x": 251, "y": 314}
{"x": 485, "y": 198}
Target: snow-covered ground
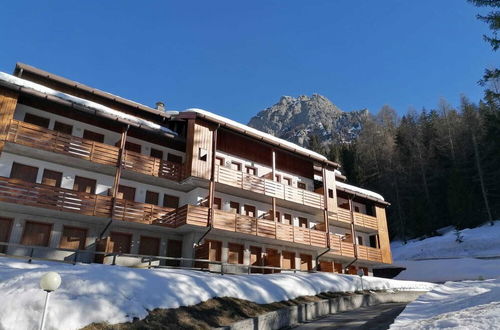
{"x": 96, "y": 293}
{"x": 457, "y": 305}
{"x": 442, "y": 258}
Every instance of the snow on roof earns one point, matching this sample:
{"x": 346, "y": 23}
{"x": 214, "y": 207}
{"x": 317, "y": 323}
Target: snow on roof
{"x": 359, "y": 190}
{"x": 98, "y": 108}
{"x": 245, "y": 128}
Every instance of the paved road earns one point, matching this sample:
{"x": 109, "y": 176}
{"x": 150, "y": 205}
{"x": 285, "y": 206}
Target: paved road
{"x": 378, "y": 317}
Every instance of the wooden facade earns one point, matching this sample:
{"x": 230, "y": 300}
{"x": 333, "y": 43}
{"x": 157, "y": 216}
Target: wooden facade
{"x": 203, "y": 140}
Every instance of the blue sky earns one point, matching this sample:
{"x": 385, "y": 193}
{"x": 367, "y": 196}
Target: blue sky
{"x": 236, "y": 58}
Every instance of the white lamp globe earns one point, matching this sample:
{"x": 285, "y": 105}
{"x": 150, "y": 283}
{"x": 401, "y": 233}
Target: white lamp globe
{"x": 50, "y": 281}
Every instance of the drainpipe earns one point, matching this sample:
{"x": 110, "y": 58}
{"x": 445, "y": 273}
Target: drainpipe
{"x": 320, "y": 255}
{"x": 211, "y": 189}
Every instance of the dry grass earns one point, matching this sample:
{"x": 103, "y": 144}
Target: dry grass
{"x": 212, "y": 313}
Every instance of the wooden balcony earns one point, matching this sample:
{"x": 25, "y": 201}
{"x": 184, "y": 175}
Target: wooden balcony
{"x": 369, "y": 253}
{"x": 267, "y": 187}
{"x": 41, "y": 138}
{"x": 341, "y": 247}
{"x": 66, "y": 200}
{"x": 198, "y": 215}
{"x": 360, "y": 219}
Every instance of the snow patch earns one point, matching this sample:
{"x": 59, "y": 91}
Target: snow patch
{"x": 359, "y": 190}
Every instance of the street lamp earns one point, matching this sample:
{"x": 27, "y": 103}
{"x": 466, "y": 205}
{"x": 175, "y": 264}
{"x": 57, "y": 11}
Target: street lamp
{"x": 49, "y": 282}
{"x": 361, "y": 273}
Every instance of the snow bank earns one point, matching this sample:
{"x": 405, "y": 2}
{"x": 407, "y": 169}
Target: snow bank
{"x": 96, "y": 293}
{"x": 457, "y": 305}
{"x": 481, "y": 241}
{"x": 441, "y": 258}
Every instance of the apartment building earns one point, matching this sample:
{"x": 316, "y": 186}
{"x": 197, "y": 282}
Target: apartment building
{"x": 85, "y": 170}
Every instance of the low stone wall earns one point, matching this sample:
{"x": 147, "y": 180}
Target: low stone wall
{"x": 294, "y": 315}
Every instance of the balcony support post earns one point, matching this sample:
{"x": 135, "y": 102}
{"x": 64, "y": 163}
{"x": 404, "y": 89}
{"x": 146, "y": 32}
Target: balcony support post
{"x": 211, "y": 187}
{"x": 273, "y": 199}
{"x": 116, "y": 182}
{"x": 353, "y": 232}
{"x": 325, "y": 208}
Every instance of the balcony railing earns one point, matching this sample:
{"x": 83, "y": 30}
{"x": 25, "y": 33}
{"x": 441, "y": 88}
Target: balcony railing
{"x": 360, "y": 219}
{"x": 41, "y": 138}
{"x": 340, "y": 247}
{"x": 267, "y": 187}
{"x": 66, "y": 200}
{"x": 369, "y": 253}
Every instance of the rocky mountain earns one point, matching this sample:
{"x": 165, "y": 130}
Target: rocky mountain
{"x": 296, "y": 119}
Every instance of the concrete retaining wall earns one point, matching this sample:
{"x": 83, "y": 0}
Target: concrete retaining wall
{"x": 294, "y": 315}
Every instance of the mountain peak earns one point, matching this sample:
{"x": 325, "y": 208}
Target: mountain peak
{"x": 296, "y": 118}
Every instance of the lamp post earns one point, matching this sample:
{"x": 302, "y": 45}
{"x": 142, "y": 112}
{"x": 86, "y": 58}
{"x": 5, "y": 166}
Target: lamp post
{"x": 361, "y": 273}
{"x": 49, "y": 282}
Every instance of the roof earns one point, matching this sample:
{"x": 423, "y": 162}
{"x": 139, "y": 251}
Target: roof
{"x": 21, "y": 67}
{"x": 78, "y": 103}
{"x": 357, "y": 191}
{"x": 250, "y": 131}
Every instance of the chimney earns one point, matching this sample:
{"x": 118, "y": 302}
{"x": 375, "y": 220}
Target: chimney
{"x": 160, "y": 106}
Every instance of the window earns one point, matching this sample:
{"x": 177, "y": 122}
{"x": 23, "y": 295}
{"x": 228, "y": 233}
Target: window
{"x": 52, "y": 178}
{"x": 330, "y": 193}
{"x": 235, "y": 253}
{"x": 234, "y": 207}
{"x": 219, "y": 161}
{"x": 130, "y": 146}
{"x": 126, "y": 193}
{"x": 36, "y": 120}
{"x": 277, "y": 217}
{"x": 251, "y": 170}
{"x": 82, "y": 184}
{"x": 149, "y": 246}
{"x": 277, "y": 178}
{"x": 374, "y": 241}
{"x": 202, "y": 154}
{"x": 288, "y": 261}
{"x": 152, "y": 197}
{"x": 93, "y": 136}
{"x": 217, "y": 203}
{"x": 287, "y": 181}
{"x": 303, "y": 222}
{"x": 156, "y": 153}
{"x": 305, "y": 262}
{"x": 63, "y": 128}
{"x": 301, "y": 185}
{"x": 119, "y": 243}
{"x": 170, "y": 201}
{"x": 356, "y": 208}
{"x": 73, "y": 238}
{"x": 5, "y": 229}
{"x": 174, "y": 158}
{"x": 236, "y": 166}
{"x": 287, "y": 219}
{"x": 249, "y": 210}
{"x": 360, "y": 240}
{"x": 36, "y": 233}
{"x": 23, "y": 172}
{"x": 174, "y": 250}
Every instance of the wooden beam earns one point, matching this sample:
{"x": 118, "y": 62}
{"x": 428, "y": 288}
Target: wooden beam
{"x": 8, "y": 103}
{"x": 353, "y": 232}
{"x": 325, "y": 209}
{"x": 273, "y": 199}
{"x": 119, "y": 165}
{"x": 211, "y": 191}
